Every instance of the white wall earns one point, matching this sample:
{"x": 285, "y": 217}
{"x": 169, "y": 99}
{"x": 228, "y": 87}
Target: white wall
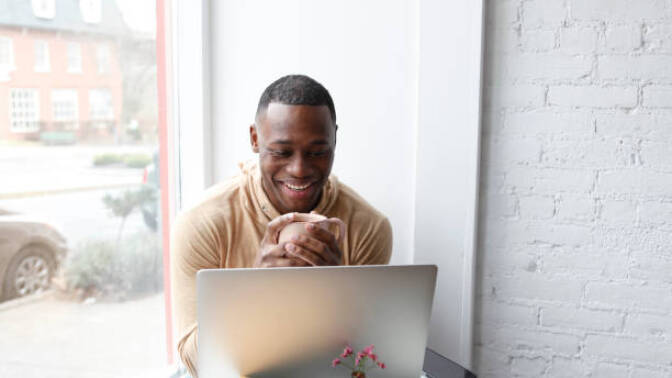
{"x": 365, "y": 53}
{"x": 575, "y": 262}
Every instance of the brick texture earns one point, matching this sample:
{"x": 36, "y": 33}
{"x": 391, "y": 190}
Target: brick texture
{"x": 574, "y": 260}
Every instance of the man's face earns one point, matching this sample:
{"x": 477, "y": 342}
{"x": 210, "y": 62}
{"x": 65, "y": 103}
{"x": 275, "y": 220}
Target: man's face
{"x": 296, "y": 151}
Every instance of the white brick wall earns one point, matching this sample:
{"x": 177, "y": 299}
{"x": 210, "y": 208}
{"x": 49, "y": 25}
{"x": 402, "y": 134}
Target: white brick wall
{"x": 575, "y": 244}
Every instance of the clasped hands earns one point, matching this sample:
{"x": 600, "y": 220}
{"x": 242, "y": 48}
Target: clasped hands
{"x": 316, "y": 248}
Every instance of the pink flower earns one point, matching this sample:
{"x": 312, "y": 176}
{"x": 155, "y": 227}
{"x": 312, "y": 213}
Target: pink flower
{"x": 335, "y": 362}
{"x": 346, "y": 352}
{"x": 357, "y": 361}
{"x": 373, "y": 356}
{"x": 381, "y": 365}
{"x": 368, "y": 350}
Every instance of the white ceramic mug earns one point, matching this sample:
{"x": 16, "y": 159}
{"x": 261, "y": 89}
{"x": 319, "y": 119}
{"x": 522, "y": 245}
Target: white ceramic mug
{"x": 298, "y": 227}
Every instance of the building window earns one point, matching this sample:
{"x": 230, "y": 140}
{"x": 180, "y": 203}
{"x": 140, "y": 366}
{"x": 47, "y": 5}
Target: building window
{"x": 24, "y": 110}
{"x": 41, "y": 56}
{"x": 91, "y": 11}
{"x": 65, "y": 106}
{"x": 100, "y": 105}
{"x": 44, "y": 9}
{"x": 103, "y": 58}
{"x": 74, "y": 57}
{"x": 6, "y": 54}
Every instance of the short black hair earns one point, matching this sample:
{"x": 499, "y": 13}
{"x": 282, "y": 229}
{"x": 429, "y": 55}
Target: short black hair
{"x": 296, "y": 90}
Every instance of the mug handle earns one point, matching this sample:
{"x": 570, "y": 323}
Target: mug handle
{"x": 341, "y": 228}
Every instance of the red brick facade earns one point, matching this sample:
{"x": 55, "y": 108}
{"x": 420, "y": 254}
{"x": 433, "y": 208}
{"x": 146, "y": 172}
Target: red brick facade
{"x": 99, "y": 74}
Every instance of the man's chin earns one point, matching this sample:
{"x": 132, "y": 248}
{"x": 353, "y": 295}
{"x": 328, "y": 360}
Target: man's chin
{"x": 296, "y": 201}
{"x": 299, "y": 208}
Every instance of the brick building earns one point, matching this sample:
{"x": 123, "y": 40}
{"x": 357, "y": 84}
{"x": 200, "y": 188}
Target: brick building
{"x": 60, "y": 78}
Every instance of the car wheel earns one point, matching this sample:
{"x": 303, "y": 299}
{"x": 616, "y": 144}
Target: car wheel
{"x": 29, "y": 272}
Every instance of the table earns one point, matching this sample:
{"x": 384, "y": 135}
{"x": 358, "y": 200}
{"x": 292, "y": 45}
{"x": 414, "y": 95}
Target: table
{"x": 438, "y": 366}
{"x": 435, "y": 366}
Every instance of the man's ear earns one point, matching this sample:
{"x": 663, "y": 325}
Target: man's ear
{"x": 254, "y": 141}
{"x": 335, "y": 133}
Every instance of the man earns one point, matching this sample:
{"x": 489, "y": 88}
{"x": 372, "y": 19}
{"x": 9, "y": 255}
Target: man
{"x": 237, "y": 224}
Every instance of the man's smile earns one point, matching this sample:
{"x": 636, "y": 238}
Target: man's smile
{"x": 298, "y": 191}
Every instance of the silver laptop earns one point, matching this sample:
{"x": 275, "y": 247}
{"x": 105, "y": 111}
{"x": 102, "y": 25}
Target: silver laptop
{"x": 292, "y": 322}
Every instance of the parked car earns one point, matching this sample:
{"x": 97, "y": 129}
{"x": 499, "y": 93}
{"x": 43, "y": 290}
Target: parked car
{"x": 31, "y": 250}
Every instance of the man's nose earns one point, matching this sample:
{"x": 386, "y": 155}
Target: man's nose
{"x": 298, "y": 166}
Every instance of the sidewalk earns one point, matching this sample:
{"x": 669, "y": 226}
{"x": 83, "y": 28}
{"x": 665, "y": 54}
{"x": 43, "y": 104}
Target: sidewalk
{"x": 61, "y": 339}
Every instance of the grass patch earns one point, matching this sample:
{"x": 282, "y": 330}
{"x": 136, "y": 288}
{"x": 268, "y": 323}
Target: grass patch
{"x": 128, "y": 160}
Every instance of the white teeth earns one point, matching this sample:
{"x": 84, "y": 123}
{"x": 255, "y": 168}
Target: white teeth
{"x": 297, "y": 188}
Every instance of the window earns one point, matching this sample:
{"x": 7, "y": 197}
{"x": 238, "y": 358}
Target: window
{"x": 90, "y": 10}
{"x": 24, "y": 110}
{"x": 65, "y": 106}
{"x": 44, "y": 9}
{"x": 100, "y": 105}
{"x": 6, "y": 54}
{"x": 96, "y": 202}
{"x": 41, "y": 56}
{"x": 74, "y": 57}
{"x": 103, "y": 58}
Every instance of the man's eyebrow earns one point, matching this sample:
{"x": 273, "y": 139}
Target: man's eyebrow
{"x": 281, "y": 141}
{"x": 316, "y": 142}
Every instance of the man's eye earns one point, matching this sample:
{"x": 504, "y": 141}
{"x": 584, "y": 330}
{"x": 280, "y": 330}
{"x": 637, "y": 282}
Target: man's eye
{"x": 281, "y": 153}
{"x": 318, "y": 153}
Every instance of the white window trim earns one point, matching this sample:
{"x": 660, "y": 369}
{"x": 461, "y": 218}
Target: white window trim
{"x": 103, "y": 68}
{"x": 449, "y": 29}
{"x": 91, "y": 11}
{"x": 12, "y": 63}
{"x": 105, "y": 118}
{"x": 74, "y": 120}
{"x": 78, "y": 69}
{"x": 47, "y": 64}
{"x": 191, "y": 99}
{"x": 48, "y": 13}
{"x": 37, "y": 109}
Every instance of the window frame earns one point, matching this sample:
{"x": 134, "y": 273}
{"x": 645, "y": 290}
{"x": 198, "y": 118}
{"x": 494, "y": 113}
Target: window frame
{"x": 24, "y": 130}
{"x": 73, "y": 62}
{"x": 103, "y": 58}
{"x": 191, "y": 99}
{"x": 11, "y": 64}
{"x": 104, "y": 94}
{"x": 73, "y": 121}
{"x": 45, "y": 66}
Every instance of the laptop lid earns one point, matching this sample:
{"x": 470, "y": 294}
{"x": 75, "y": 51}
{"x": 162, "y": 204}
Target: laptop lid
{"x": 292, "y": 322}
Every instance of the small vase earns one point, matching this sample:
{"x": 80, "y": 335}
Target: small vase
{"x": 358, "y": 374}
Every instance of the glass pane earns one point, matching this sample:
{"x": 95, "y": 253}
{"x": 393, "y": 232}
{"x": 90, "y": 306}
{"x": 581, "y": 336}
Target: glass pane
{"x": 81, "y": 260}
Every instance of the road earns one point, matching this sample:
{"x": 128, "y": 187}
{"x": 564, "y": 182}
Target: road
{"x": 26, "y": 169}
{"x": 55, "y": 183}
{"x": 79, "y": 216}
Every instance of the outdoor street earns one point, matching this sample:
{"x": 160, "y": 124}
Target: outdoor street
{"x": 78, "y": 215}
{"x": 27, "y": 169}
{"x": 55, "y": 334}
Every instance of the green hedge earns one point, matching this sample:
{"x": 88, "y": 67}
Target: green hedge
{"x": 128, "y": 160}
{"x": 99, "y": 269}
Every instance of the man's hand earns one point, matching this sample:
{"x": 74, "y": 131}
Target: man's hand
{"x": 271, "y": 254}
{"x": 318, "y": 248}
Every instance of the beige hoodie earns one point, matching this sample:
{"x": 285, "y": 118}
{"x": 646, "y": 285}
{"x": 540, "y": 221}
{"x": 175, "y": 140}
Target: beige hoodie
{"x": 224, "y": 230}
